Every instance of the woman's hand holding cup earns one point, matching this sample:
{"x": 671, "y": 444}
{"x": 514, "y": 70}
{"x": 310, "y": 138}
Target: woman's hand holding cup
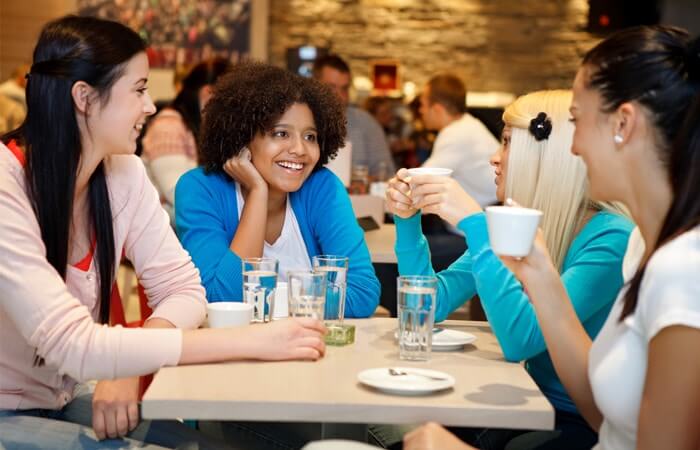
{"x": 443, "y": 196}
{"x": 398, "y": 196}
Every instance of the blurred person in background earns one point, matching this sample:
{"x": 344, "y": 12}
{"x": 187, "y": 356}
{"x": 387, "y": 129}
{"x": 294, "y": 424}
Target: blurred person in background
{"x": 14, "y": 87}
{"x": 397, "y": 129}
{"x": 365, "y": 135}
{"x": 170, "y": 140}
{"x": 463, "y": 143}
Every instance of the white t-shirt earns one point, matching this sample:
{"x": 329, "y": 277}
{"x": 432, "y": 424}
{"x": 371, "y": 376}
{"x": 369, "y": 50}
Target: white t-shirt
{"x": 465, "y": 146}
{"x": 669, "y": 295}
{"x": 289, "y": 248}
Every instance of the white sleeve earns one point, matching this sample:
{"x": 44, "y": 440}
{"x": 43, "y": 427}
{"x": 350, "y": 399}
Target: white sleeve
{"x": 670, "y": 291}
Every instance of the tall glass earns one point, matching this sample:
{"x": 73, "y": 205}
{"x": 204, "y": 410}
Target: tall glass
{"x": 307, "y": 294}
{"x": 335, "y": 269}
{"x": 259, "y": 281}
{"x": 416, "y": 310}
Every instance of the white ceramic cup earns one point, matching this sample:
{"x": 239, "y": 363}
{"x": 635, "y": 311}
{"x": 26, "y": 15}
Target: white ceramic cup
{"x": 430, "y": 171}
{"x": 512, "y": 229}
{"x": 281, "y": 301}
{"x": 229, "y": 314}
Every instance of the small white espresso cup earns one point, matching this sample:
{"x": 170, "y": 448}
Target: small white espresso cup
{"x": 281, "y": 301}
{"x": 430, "y": 171}
{"x": 512, "y": 229}
{"x": 229, "y": 314}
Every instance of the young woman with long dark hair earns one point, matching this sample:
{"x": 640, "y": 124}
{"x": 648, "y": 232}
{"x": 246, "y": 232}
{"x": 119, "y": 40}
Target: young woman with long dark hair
{"x": 72, "y": 198}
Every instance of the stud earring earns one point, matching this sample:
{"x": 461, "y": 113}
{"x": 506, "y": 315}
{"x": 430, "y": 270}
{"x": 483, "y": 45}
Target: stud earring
{"x": 618, "y": 139}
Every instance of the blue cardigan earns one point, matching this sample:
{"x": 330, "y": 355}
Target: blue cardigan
{"x": 206, "y": 217}
{"x": 591, "y": 273}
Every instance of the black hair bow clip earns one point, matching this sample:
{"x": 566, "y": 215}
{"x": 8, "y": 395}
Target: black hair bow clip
{"x": 541, "y": 126}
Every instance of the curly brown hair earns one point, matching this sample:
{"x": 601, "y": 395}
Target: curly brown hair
{"x": 251, "y": 98}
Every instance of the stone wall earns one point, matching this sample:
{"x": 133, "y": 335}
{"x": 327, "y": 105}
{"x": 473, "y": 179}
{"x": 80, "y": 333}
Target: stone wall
{"x": 505, "y": 45}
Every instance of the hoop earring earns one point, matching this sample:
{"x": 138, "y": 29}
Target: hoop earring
{"x": 618, "y": 139}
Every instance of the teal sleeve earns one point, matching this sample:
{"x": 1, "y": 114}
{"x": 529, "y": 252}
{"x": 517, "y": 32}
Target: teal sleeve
{"x": 455, "y": 284}
{"x": 338, "y": 233}
{"x": 200, "y": 217}
{"x": 592, "y": 278}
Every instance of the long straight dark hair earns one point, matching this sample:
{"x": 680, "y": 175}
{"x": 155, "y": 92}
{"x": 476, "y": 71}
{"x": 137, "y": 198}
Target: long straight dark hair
{"x": 71, "y": 49}
{"x": 659, "y": 67}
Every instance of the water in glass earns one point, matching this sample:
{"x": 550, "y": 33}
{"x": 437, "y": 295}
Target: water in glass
{"x": 416, "y": 316}
{"x": 259, "y": 290}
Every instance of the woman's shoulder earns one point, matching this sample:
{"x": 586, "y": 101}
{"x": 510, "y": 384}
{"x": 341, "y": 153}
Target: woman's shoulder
{"x": 670, "y": 288}
{"x": 199, "y": 176}
{"x": 11, "y": 166}
{"x": 321, "y": 179}
{"x": 200, "y": 185}
{"x": 606, "y": 225}
{"x": 604, "y": 230}
{"x": 679, "y": 258}
{"x": 607, "y": 220}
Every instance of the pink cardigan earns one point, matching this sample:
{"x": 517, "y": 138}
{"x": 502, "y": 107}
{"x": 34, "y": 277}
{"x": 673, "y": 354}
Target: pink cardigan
{"x": 43, "y": 315}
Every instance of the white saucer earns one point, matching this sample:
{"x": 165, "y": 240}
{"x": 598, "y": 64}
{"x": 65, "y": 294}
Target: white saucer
{"x": 411, "y": 384}
{"x": 447, "y": 340}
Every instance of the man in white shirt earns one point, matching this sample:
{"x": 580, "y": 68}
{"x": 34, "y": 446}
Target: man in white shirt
{"x": 463, "y": 144}
{"x": 369, "y": 146}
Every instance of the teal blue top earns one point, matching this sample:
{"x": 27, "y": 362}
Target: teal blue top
{"x": 591, "y": 273}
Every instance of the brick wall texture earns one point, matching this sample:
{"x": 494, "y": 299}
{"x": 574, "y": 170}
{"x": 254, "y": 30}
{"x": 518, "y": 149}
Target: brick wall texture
{"x": 506, "y": 45}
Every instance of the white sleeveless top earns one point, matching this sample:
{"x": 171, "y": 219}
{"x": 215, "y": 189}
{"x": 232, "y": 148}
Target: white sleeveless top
{"x": 289, "y": 248}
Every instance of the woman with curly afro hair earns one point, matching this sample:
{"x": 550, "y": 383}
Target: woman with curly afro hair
{"x": 262, "y": 189}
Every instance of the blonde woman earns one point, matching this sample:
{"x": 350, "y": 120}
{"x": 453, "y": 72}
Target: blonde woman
{"x": 535, "y": 167}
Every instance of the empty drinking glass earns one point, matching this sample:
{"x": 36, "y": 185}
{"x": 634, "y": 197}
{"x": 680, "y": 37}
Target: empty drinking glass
{"x": 259, "y": 281}
{"x": 416, "y": 311}
{"x": 307, "y": 294}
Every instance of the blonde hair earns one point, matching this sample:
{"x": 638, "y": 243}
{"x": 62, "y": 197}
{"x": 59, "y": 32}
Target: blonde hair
{"x": 544, "y": 174}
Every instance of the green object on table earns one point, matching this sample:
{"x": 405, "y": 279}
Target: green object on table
{"x": 340, "y": 334}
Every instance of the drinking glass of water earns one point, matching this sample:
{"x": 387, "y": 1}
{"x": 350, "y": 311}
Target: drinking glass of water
{"x": 416, "y": 311}
{"x": 259, "y": 281}
{"x": 307, "y": 294}
{"x": 335, "y": 269}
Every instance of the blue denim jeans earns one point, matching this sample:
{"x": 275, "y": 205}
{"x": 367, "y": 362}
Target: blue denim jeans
{"x": 71, "y": 428}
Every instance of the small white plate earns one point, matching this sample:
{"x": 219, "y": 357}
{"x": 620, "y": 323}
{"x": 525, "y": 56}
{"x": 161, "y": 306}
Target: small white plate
{"x": 446, "y": 340}
{"x": 411, "y": 384}
{"x": 449, "y": 340}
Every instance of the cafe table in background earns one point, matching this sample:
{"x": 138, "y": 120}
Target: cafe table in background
{"x": 488, "y": 391}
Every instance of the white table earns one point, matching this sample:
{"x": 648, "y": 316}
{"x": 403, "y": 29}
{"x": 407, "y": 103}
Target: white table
{"x": 381, "y": 243}
{"x": 489, "y": 391}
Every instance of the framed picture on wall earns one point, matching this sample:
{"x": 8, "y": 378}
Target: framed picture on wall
{"x": 385, "y": 77}
{"x": 181, "y": 33}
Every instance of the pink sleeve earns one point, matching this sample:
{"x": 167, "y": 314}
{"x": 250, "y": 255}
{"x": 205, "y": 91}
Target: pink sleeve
{"x": 163, "y": 267}
{"x": 38, "y": 304}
